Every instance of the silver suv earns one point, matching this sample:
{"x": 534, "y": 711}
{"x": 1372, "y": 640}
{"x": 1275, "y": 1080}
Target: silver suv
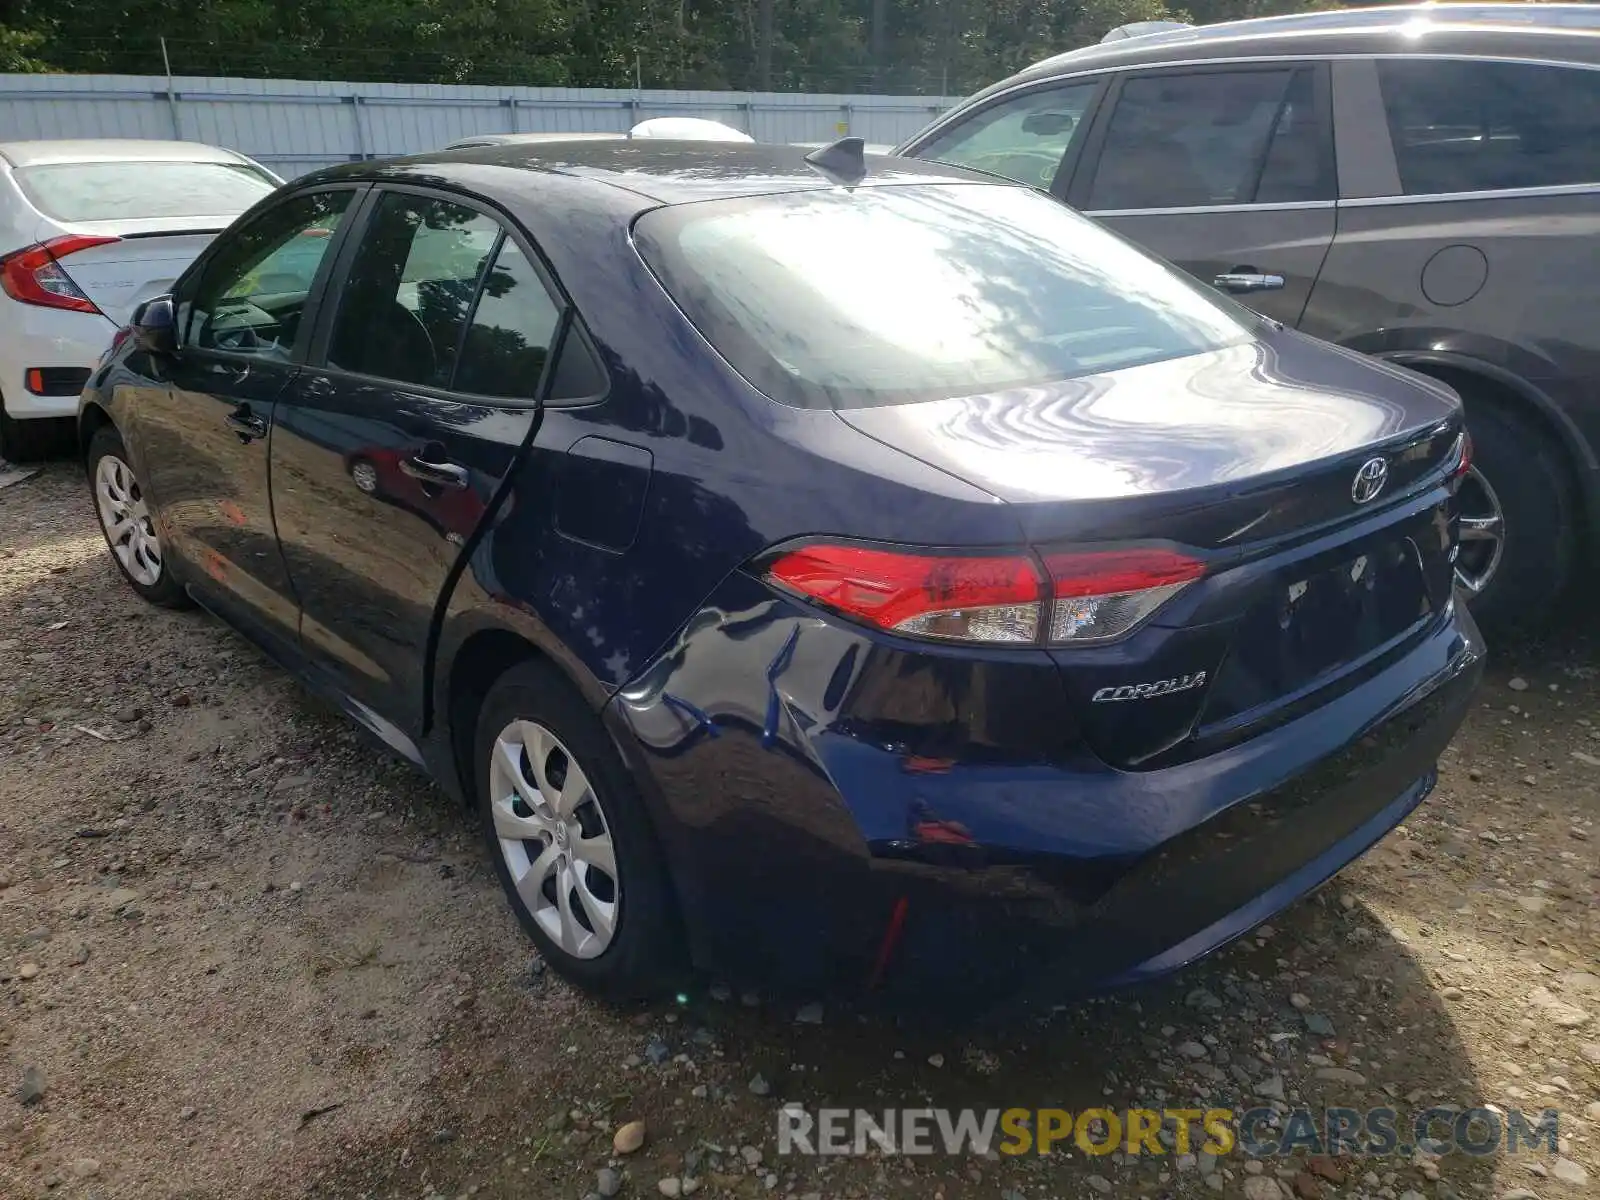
{"x": 1421, "y": 183}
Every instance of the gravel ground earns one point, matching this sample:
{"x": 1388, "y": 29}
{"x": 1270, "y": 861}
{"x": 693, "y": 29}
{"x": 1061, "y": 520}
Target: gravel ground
{"x": 242, "y": 955}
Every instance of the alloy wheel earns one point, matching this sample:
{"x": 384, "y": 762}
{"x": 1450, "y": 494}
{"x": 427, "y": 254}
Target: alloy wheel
{"x": 1483, "y": 532}
{"x": 126, "y": 520}
{"x": 555, "y": 838}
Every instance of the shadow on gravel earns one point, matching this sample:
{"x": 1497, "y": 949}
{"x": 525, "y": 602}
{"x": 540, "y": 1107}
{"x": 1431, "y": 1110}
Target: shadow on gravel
{"x": 1365, "y": 1030}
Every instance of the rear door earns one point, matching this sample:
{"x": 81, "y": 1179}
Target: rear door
{"x": 1223, "y": 171}
{"x": 390, "y": 449}
{"x": 203, "y": 426}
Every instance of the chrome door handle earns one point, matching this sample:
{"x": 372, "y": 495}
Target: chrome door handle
{"x": 435, "y": 474}
{"x": 245, "y": 423}
{"x": 1238, "y": 282}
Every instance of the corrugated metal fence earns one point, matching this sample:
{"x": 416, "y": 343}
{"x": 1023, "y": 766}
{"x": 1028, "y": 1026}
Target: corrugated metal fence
{"x": 296, "y": 126}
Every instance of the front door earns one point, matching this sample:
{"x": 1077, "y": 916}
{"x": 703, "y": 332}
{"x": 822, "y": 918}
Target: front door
{"x": 1226, "y": 172}
{"x": 388, "y": 451}
{"x": 204, "y": 430}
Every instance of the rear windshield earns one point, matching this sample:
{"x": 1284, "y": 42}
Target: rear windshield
{"x": 890, "y": 294}
{"x": 133, "y": 191}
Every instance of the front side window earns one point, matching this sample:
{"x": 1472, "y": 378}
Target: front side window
{"x": 881, "y": 295}
{"x": 1022, "y": 139}
{"x": 405, "y": 303}
{"x": 1472, "y": 126}
{"x": 1213, "y": 138}
{"x": 142, "y": 191}
{"x": 252, "y": 291}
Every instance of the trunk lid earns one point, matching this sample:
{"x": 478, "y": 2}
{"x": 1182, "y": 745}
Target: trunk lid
{"x": 145, "y": 261}
{"x": 1216, "y": 449}
{"x": 1247, "y": 457}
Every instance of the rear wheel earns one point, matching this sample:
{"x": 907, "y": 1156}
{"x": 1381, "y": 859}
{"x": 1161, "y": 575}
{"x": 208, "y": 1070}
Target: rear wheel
{"x": 570, "y": 839}
{"x": 1519, "y": 518}
{"x": 127, "y": 522}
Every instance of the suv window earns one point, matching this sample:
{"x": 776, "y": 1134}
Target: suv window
{"x": 1213, "y": 138}
{"x": 411, "y": 284}
{"x": 1022, "y": 139}
{"x": 1462, "y": 126}
{"x": 252, "y": 290}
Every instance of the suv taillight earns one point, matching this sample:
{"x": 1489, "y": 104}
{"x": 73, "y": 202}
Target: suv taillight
{"x": 35, "y": 275}
{"x": 1072, "y": 599}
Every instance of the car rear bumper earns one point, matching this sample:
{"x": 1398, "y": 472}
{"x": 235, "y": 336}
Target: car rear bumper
{"x": 813, "y": 852}
{"x": 30, "y": 337}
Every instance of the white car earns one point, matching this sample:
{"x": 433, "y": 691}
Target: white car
{"x": 88, "y": 230}
{"x": 681, "y": 129}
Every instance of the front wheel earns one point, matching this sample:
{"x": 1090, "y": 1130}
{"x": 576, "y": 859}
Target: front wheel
{"x": 1519, "y": 520}
{"x": 127, "y": 522}
{"x": 570, "y": 839}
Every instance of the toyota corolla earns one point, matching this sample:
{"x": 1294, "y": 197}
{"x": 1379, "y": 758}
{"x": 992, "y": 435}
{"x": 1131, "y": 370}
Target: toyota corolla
{"x": 877, "y": 575}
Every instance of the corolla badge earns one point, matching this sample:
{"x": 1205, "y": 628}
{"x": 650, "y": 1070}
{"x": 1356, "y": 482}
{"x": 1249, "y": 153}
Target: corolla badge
{"x": 1148, "y": 691}
{"x": 1369, "y": 480}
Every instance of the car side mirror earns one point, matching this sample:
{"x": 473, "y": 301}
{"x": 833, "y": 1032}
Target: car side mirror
{"x": 155, "y": 326}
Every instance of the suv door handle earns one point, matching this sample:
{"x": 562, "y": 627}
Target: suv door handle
{"x": 1247, "y": 279}
{"x": 245, "y": 423}
{"x": 435, "y": 474}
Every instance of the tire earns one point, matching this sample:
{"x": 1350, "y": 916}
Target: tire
{"x": 133, "y": 543}
{"x": 1520, "y": 469}
{"x": 31, "y": 440}
{"x": 532, "y": 707}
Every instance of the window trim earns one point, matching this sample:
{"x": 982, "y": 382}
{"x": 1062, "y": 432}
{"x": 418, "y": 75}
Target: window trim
{"x": 1077, "y": 192}
{"x": 567, "y": 315}
{"x": 194, "y": 273}
{"x": 1074, "y": 146}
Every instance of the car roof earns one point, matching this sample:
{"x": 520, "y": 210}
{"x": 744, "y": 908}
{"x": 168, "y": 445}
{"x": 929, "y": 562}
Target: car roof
{"x": 1555, "y": 32}
{"x": 89, "y": 150}
{"x": 651, "y": 172}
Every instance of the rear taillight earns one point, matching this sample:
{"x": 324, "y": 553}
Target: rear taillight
{"x": 1461, "y": 456}
{"x": 36, "y": 276}
{"x": 1070, "y": 599}
{"x": 1102, "y": 594}
{"x": 954, "y": 597}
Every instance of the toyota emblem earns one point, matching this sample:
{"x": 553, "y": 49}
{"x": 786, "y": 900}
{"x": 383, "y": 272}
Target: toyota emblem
{"x": 1369, "y": 480}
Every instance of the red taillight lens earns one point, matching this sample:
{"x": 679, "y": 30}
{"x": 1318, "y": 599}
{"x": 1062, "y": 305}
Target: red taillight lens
{"x": 1463, "y": 455}
{"x": 951, "y": 597}
{"x": 1102, "y": 594}
{"x": 35, "y": 275}
{"x": 997, "y": 599}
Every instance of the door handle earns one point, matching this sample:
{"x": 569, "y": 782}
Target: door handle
{"x": 1247, "y": 279}
{"x": 435, "y": 474}
{"x": 245, "y": 423}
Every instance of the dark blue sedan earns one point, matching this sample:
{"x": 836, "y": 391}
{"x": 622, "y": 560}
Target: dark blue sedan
{"x": 824, "y": 569}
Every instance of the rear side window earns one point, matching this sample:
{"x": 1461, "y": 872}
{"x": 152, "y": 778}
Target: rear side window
{"x": 1214, "y": 138}
{"x": 887, "y": 294}
{"x": 141, "y": 191}
{"x": 406, "y": 300}
{"x": 1023, "y": 138}
{"x": 509, "y": 338}
{"x": 1466, "y": 126}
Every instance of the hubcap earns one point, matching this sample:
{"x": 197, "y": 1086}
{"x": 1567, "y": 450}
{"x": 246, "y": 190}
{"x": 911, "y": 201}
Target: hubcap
{"x": 126, "y": 520}
{"x": 1483, "y": 532}
{"x": 555, "y": 839}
